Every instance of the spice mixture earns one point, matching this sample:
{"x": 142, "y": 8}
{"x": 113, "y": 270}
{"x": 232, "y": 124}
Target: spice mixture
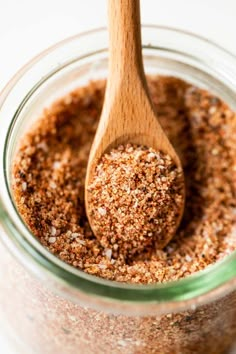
{"x": 50, "y": 167}
{"x": 135, "y": 198}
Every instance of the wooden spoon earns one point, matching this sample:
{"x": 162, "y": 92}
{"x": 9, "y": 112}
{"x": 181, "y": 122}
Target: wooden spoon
{"x": 128, "y": 115}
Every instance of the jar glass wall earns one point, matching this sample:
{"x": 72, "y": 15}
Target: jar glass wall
{"x": 47, "y": 304}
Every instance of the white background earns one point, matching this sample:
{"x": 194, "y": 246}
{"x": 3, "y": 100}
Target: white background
{"x": 29, "y": 26}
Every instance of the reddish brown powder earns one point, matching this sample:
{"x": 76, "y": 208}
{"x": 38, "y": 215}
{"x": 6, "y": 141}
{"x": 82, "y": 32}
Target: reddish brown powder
{"x": 50, "y": 167}
{"x": 135, "y": 198}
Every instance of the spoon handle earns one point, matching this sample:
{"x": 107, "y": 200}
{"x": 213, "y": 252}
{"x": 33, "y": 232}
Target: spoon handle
{"x": 125, "y": 47}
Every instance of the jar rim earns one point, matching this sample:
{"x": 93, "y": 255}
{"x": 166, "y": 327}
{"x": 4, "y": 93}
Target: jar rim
{"x": 187, "y": 289}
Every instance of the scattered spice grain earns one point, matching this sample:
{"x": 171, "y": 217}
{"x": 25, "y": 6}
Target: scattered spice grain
{"x": 134, "y": 199}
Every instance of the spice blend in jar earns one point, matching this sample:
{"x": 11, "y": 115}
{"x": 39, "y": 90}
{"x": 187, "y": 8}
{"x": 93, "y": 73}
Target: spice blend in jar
{"x": 50, "y": 168}
{"x": 48, "y": 182}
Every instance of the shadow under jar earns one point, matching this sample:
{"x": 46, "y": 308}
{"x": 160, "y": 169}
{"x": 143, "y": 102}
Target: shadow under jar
{"x": 49, "y": 307}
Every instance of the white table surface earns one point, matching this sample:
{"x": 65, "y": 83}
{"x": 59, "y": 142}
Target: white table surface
{"x": 29, "y": 26}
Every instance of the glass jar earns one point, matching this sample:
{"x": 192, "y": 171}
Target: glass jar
{"x": 49, "y": 307}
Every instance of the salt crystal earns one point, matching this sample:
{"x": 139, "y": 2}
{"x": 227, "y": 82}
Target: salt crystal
{"x": 219, "y": 227}
{"x": 188, "y": 258}
{"x": 108, "y": 253}
{"x": 215, "y": 152}
{"x": 74, "y": 234}
{"x": 82, "y": 242}
{"x": 56, "y": 165}
{"x": 212, "y": 110}
{"x": 138, "y": 155}
{"x": 102, "y": 211}
{"x": 130, "y": 149}
{"x": 53, "y": 231}
{"x": 24, "y": 186}
{"x": 122, "y": 343}
{"x": 151, "y": 155}
{"x": 102, "y": 266}
{"x": 72, "y": 318}
{"x": 52, "y": 185}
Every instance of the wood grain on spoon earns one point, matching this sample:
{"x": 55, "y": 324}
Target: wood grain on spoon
{"x": 128, "y": 115}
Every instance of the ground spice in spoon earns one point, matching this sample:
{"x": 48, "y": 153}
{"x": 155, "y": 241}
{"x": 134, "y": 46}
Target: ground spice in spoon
{"x": 134, "y": 199}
